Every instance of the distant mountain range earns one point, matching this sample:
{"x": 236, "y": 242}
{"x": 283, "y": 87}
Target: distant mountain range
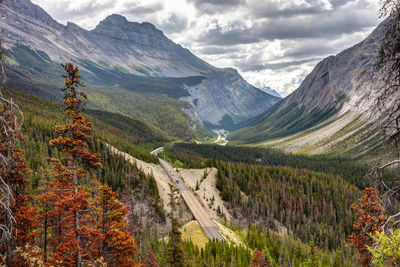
{"x": 335, "y": 106}
{"x": 270, "y": 91}
{"x": 124, "y": 56}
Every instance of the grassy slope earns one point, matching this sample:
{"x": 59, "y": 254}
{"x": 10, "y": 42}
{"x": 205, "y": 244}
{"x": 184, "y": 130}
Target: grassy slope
{"x": 346, "y": 136}
{"x": 317, "y": 132}
{"x": 275, "y": 123}
{"x": 192, "y": 231}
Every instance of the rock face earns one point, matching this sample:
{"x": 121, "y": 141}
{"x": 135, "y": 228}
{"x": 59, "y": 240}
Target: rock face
{"x": 207, "y": 97}
{"x": 346, "y": 81}
{"x": 346, "y": 86}
{"x": 270, "y": 91}
{"x": 139, "y": 49}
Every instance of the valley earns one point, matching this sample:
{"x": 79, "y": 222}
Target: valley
{"x": 222, "y": 135}
{"x": 130, "y": 143}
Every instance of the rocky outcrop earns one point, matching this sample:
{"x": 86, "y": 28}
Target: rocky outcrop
{"x": 138, "y": 48}
{"x": 345, "y": 85}
{"x": 270, "y": 91}
{"x": 347, "y": 81}
{"x": 244, "y": 99}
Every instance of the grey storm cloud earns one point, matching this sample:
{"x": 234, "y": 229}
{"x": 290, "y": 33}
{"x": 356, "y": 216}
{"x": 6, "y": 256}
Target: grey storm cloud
{"x": 70, "y": 11}
{"x": 215, "y": 6}
{"x": 249, "y": 66}
{"x": 324, "y": 26}
{"x": 216, "y": 50}
{"x": 317, "y": 47}
{"x": 270, "y": 9}
{"x": 174, "y": 24}
{"x": 137, "y": 8}
{"x": 336, "y": 3}
{"x": 273, "y": 9}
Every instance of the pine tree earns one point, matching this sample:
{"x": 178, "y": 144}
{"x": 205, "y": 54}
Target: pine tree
{"x": 48, "y": 215}
{"x": 115, "y": 244}
{"x": 259, "y": 260}
{"x": 371, "y": 218}
{"x": 73, "y": 233}
{"x": 175, "y": 252}
{"x": 313, "y": 257}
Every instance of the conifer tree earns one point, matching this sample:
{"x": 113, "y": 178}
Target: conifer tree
{"x": 115, "y": 244}
{"x": 18, "y": 219}
{"x": 73, "y": 234}
{"x": 175, "y": 252}
{"x": 259, "y": 260}
{"x": 371, "y": 218}
{"x": 313, "y": 257}
{"x": 48, "y": 215}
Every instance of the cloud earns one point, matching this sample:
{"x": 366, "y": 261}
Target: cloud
{"x": 217, "y": 50}
{"x": 314, "y": 26}
{"x": 174, "y": 23}
{"x": 276, "y": 9}
{"x": 69, "y": 10}
{"x": 136, "y": 8}
{"x": 248, "y": 66}
{"x": 317, "y": 47}
{"x": 215, "y": 6}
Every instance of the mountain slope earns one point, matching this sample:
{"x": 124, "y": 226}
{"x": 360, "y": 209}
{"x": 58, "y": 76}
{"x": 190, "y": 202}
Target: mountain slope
{"x": 270, "y": 91}
{"x": 340, "y": 91}
{"x": 132, "y": 56}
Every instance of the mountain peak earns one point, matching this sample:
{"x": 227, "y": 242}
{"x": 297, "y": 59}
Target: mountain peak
{"x": 29, "y": 9}
{"x": 120, "y": 23}
{"x": 270, "y": 91}
{"x": 115, "y": 19}
{"x": 146, "y": 34}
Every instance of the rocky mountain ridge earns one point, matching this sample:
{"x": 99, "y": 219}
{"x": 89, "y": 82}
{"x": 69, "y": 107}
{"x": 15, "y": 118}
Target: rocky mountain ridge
{"x": 270, "y": 91}
{"x": 346, "y": 81}
{"x": 137, "y": 49}
{"x": 336, "y": 103}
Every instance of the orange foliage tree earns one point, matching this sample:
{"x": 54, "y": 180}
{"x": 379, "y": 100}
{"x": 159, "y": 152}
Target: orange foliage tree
{"x": 73, "y": 234}
{"x": 18, "y": 220}
{"x": 259, "y": 260}
{"x": 115, "y": 244}
{"x": 46, "y": 202}
{"x": 371, "y": 218}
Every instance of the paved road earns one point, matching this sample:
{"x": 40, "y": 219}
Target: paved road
{"x": 201, "y": 215}
{"x": 156, "y": 151}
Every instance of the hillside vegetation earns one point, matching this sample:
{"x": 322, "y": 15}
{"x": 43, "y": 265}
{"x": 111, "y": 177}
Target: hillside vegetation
{"x": 40, "y": 117}
{"x": 153, "y": 100}
{"x": 200, "y": 156}
{"x": 276, "y": 123}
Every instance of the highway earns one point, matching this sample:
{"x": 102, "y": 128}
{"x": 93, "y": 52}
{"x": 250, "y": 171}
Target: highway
{"x": 198, "y": 211}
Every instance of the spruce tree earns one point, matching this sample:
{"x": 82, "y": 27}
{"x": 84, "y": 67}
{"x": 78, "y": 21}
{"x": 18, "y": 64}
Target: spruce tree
{"x": 175, "y": 253}
{"x": 71, "y": 206}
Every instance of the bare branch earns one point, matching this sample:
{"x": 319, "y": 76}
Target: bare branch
{"x": 389, "y": 220}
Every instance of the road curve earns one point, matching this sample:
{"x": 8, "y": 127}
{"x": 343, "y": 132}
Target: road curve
{"x": 198, "y": 211}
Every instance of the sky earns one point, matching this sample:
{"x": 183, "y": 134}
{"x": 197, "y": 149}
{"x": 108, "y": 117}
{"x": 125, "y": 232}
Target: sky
{"x": 273, "y": 43}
